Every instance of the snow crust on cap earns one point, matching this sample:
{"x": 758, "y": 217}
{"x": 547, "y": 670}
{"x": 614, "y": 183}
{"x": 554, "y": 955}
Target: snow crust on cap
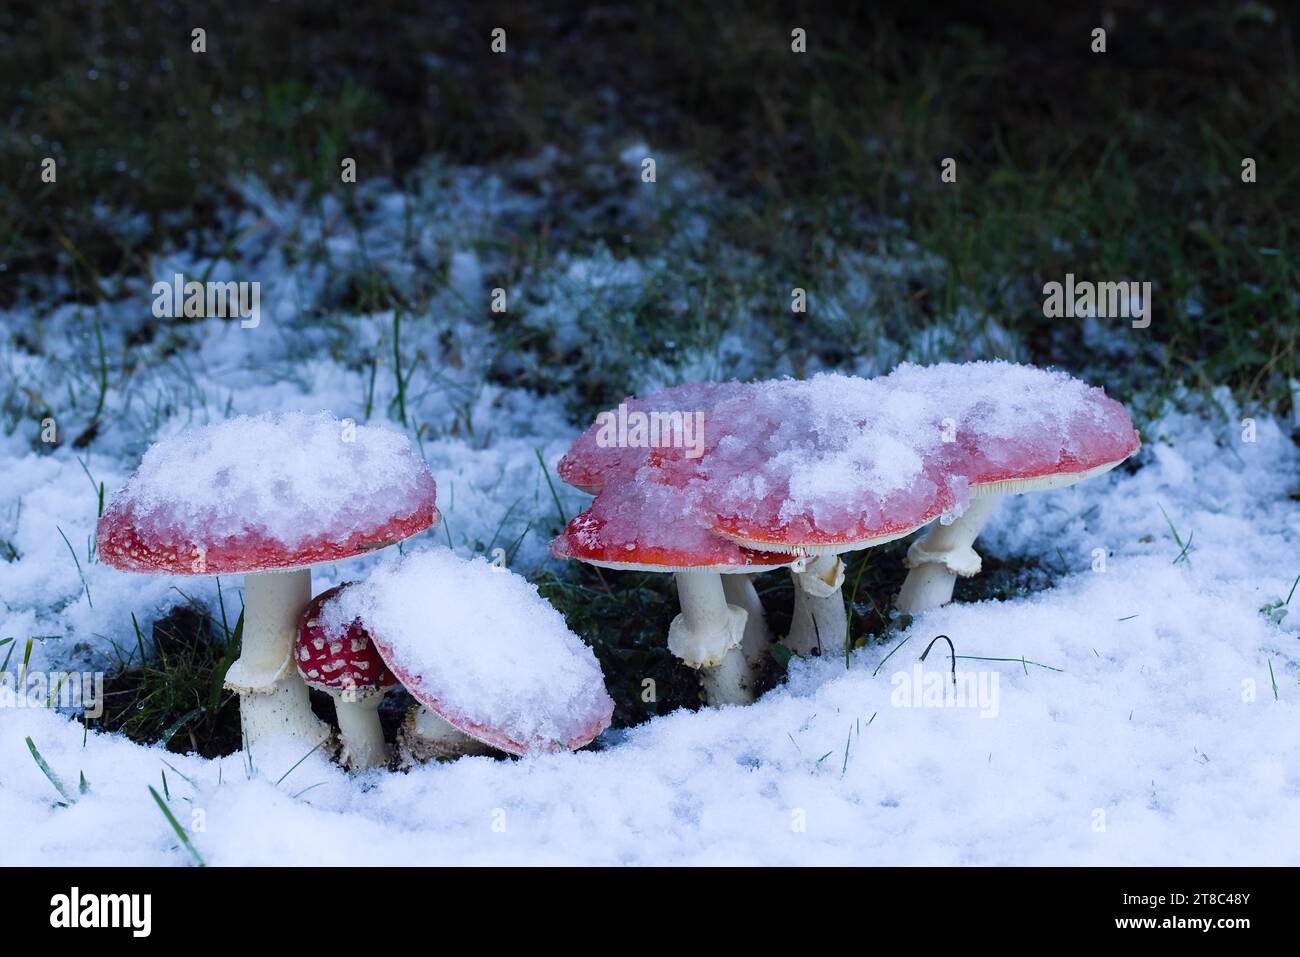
{"x": 479, "y": 646}
{"x": 657, "y": 526}
{"x": 1017, "y": 421}
{"x": 264, "y": 492}
{"x": 836, "y": 460}
{"x": 587, "y": 464}
{"x": 831, "y": 459}
{"x": 338, "y": 657}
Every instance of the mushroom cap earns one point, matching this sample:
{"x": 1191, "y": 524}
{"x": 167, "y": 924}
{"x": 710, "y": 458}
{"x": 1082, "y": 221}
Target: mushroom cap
{"x": 1017, "y": 428}
{"x": 826, "y": 464}
{"x": 836, "y": 463}
{"x": 268, "y": 492}
{"x": 588, "y": 462}
{"x": 336, "y": 659}
{"x": 651, "y": 526}
{"x": 477, "y": 645}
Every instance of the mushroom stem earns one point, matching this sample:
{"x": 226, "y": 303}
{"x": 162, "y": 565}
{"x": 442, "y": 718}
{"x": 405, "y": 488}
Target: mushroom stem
{"x": 427, "y": 736}
{"x": 272, "y": 696}
{"x": 943, "y": 554}
{"x": 360, "y": 732}
{"x": 707, "y": 627}
{"x": 730, "y": 682}
{"x": 739, "y": 591}
{"x": 819, "y": 621}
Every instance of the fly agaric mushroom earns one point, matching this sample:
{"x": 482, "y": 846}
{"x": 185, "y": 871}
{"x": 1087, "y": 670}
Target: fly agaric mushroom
{"x": 479, "y": 648}
{"x": 593, "y": 461}
{"x": 268, "y": 497}
{"x": 815, "y": 468}
{"x": 1011, "y": 429}
{"x": 345, "y": 665}
{"x": 644, "y": 525}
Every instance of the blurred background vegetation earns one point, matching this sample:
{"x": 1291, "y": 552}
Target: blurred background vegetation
{"x": 1117, "y": 165}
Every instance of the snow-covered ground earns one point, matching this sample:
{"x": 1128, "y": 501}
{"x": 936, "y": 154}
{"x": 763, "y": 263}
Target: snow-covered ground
{"x": 1155, "y": 717}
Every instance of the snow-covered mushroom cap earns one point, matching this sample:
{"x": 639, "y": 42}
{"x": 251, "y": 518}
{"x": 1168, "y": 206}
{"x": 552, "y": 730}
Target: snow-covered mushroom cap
{"x": 834, "y": 463}
{"x": 476, "y": 644}
{"x": 649, "y": 526}
{"x": 1015, "y": 428}
{"x": 593, "y": 459}
{"x": 339, "y": 658}
{"x": 259, "y": 493}
{"x": 828, "y": 464}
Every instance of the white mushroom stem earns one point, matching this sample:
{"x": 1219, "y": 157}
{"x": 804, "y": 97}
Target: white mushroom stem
{"x": 731, "y": 682}
{"x": 942, "y": 555}
{"x": 272, "y": 696}
{"x": 707, "y": 627}
{"x": 426, "y": 736}
{"x": 739, "y": 591}
{"x": 360, "y": 732}
{"x": 819, "y": 621}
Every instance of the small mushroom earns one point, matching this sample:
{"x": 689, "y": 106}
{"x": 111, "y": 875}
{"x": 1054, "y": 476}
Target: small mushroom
{"x": 268, "y": 497}
{"x": 344, "y": 664}
{"x": 648, "y": 526}
{"x": 482, "y": 651}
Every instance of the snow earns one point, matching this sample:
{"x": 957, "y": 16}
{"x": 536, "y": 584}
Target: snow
{"x": 285, "y": 477}
{"x": 1161, "y": 739}
{"x": 477, "y": 644}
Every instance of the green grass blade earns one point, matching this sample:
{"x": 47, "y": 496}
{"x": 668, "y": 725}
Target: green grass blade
{"x": 176, "y": 826}
{"x": 49, "y": 773}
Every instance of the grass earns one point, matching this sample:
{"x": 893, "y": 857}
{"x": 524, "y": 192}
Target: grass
{"x": 68, "y": 797}
{"x": 176, "y": 826}
{"x": 175, "y": 696}
{"x": 818, "y": 171}
{"x": 1122, "y": 165}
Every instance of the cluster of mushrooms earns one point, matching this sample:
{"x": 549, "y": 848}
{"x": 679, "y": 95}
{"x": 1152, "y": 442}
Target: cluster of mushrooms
{"x": 791, "y": 475}
{"x": 795, "y": 473}
{"x": 189, "y": 510}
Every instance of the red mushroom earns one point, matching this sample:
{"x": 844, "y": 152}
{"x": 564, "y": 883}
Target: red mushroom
{"x": 602, "y": 456}
{"x": 605, "y": 452}
{"x": 650, "y": 526}
{"x": 268, "y": 497}
{"x": 1011, "y": 429}
{"x": 813, "y": 468}
{"x": 344, "y": 663}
